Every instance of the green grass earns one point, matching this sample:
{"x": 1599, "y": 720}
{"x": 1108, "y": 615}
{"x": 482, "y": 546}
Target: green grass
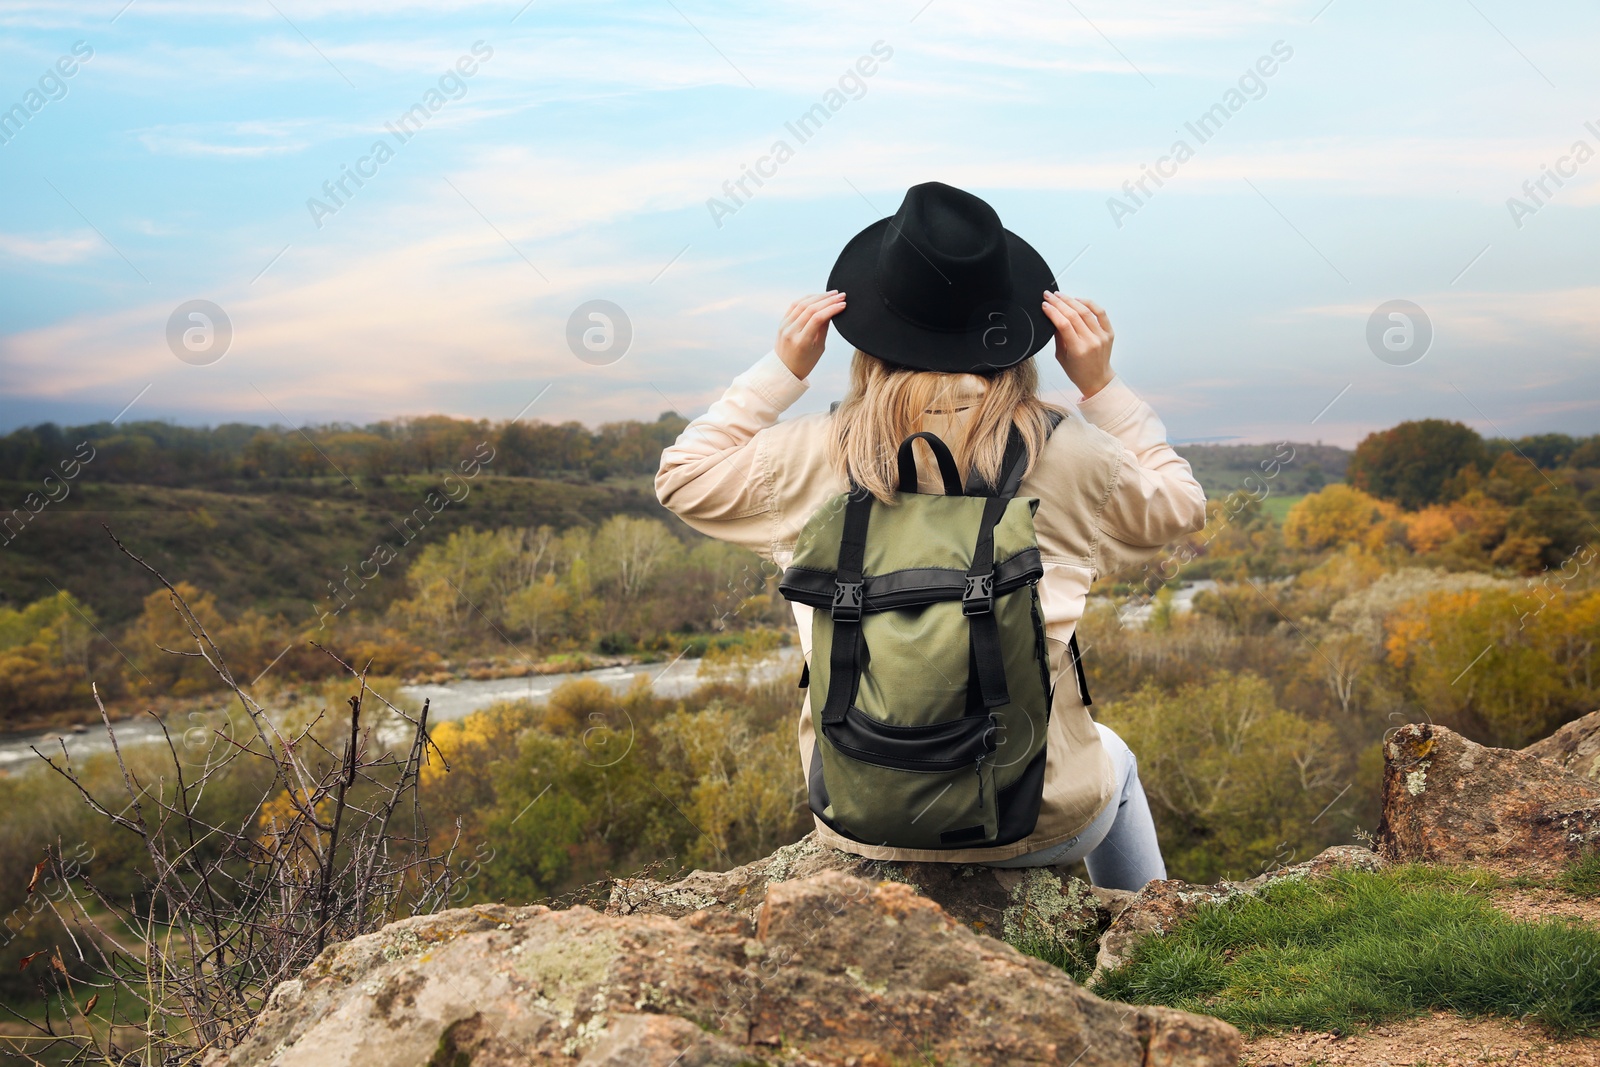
{"x": 1076, "y": 957}
{"x": 1277, "y": 504}
{"x": 1357, "y": 948}
{"x": 1583, "y": 877}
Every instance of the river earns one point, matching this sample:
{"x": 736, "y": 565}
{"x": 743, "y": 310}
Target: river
{"x": 447, "y": 700}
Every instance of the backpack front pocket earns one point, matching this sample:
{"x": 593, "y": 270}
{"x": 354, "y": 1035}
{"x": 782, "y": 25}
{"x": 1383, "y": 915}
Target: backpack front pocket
{"x": 925, "y": 787}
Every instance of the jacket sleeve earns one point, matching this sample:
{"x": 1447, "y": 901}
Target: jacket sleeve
{"x": 1154, "y": 497}
{"x": 716, "y": 476}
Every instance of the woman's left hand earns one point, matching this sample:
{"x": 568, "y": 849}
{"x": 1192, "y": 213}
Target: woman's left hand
{"x": 1083, "y": 340}
{"x": 804, "y": 332}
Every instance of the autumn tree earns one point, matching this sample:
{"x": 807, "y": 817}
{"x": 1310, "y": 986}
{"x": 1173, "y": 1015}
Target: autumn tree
{"x": 1337, "y": 516}
{"x": 1413, "y": 463}
{"x": 1505, "y": 667}
{"x": 44, "y": 655}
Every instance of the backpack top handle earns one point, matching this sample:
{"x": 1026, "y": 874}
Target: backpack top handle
{"x": 941, "y": 453}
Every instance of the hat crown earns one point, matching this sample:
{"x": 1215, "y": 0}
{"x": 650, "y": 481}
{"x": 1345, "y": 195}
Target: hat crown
{"x": 943, "y": 257}
{"x": 942, "y": 286}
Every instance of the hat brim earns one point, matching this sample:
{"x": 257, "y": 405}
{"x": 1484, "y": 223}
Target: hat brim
{"x": 1002, "y": 334}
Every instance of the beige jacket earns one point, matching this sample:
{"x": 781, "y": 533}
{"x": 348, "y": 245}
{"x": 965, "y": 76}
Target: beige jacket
{"x": 1111, "y": 492}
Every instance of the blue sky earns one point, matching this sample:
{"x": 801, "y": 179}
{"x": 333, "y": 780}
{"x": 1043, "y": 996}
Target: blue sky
{"x": 577, "y": 160}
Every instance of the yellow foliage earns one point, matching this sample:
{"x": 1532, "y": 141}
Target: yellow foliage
{"x": 745, "y": 784}
{"x": 1480, "y": 515}
{"x": 283, "y": 822}
{"x": 1430, "y": 529}
{"x": 1412, "y": 626}
{"x": 43, "y": 655}
{"x": 1506, "y": 667}
{"x": 480, "y": 738}
{"x": 1337, "y": 516}
{"x": 1520, "y": 552}
{"x": 1236, "y": 781}
{"x": 733, "y": 662}
{"x": 1336, "y": 577}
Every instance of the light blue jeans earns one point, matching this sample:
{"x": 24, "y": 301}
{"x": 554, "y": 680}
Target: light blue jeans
{"x": 1119, "y": 847}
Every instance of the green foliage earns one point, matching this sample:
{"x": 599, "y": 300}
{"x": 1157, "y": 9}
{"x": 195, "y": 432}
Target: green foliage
{"x": 111, "y": 857}
{"x": 741, "y": 780}
{"x": 593, "y": 783}
{"x": 1416, "y": 464}
{"x": 614, "y": 588}
{"x": 276, "y": 546}
{"x": 1235, "y": 781}
{"x": 1277, "y": 506}
{"x": 545, "y": 799}
{"x": 1358, "y": 948}
{"x": 1076, "y": 956}
{"x": 1225, "y": 468}
{"x": 623, "y": 586}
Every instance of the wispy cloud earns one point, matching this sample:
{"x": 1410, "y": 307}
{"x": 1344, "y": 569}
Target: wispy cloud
{"x": 56, "y": 250}
{"x": 247, "y": 140}
{"x": 593, "y": 140}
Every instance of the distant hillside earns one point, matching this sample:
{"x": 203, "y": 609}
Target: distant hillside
{"x": 274, "y": 547}
{"x": 1224, "y": 468}
{"x": 235, "y": 455}
{"x": 275, "y": 543}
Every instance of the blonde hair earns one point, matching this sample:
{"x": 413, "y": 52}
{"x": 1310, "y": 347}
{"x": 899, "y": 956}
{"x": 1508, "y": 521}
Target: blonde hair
{"x": 886, "y": 404}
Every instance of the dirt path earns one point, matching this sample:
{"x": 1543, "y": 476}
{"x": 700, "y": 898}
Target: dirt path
{"x": 1533, "y": 904}
{"x": 1438, "y": 1040}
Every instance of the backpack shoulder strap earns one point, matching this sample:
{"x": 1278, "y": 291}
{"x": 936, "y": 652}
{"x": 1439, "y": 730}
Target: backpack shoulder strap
{"x": 844, "y": 655}
{"x": 1012, "y": 467}
{"x": 978, "y": 601}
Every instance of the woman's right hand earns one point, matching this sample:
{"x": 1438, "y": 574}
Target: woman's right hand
{"x": 1083, "y": 341}
{"x": 804, "y": 332}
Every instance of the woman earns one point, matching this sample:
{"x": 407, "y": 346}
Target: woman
{"x": 945, "y": 327}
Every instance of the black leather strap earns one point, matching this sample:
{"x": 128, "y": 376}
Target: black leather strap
{"x": 844, "y": 657}
{"x": 913, "y": 587}
{"x": 1077, "y": 666}
{"x": 941, "y": 454}
{"x": 978, "y": 605}
{"x": 977, "y": 602}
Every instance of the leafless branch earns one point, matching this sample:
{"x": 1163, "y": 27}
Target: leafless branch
{"x": 229, "y": 906}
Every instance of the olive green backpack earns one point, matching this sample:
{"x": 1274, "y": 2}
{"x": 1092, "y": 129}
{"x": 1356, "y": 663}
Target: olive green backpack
{"x": 928, "y": 654}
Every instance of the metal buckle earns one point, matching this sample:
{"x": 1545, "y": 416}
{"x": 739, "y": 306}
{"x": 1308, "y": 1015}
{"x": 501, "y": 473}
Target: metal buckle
{"x": 846, "y": 601}
{"x": 978, "y": 597}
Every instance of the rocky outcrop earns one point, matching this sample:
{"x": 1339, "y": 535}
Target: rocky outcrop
{"x": 1450, "y": 800}
{"x": 1576, "y": 747}
{"x": 835, "y": 970}
{"x": 1044, "y": 909}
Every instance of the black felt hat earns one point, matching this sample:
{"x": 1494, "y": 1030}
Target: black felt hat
{"x": 943, "y": 286}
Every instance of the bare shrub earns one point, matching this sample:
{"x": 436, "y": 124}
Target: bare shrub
{"x": 232, "y": 898}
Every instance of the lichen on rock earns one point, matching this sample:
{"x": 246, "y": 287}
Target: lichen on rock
{"x": 1447, "y": 799}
